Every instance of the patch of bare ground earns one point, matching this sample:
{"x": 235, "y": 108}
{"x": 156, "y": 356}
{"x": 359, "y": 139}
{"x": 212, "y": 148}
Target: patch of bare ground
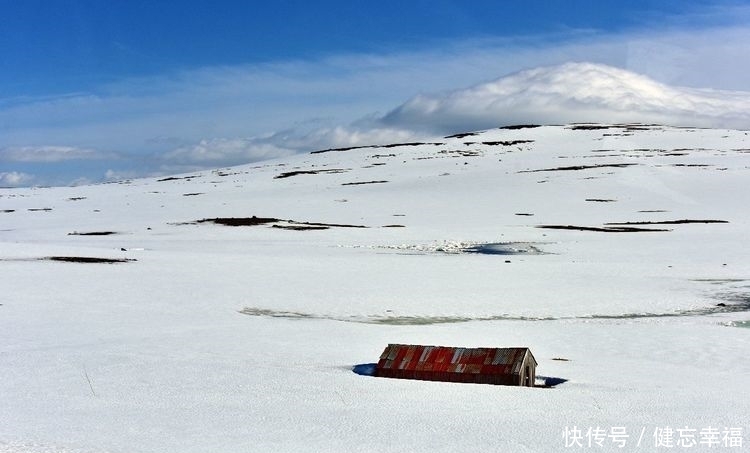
{"x": 578, "y": 167}
{"x": 92, "y": 233}
{"x": 359, "y": 183}
{"x": 289, "y": 174}
{"x": 193, "y": 194}
{"x": 347, "y": 148}
{"x": 275, "y": 223}
{"x": 395, "y": 225}
{"x": 177, "y": 178}
{"x": 520, "y": 126}
{"x": 76, "y": 198}
{"x": 396, "y": 145}
{"x": 391, "y": 145}
{"x": 459, "y": 153}
{"x": 525, "y": 214}
{"x": 7, "y": 211}
{"x": 606, "y": 229}
{"x": 86, "y": 259}
{"x": 668, "y": 222}
{"x": 500, "y": 143}
{"x": 39, "y": 209}
{"x": 227, "y": 173}
{"x": 462, "y": 135}
{"x": 626, "y": 127}
{"x": 319, "y": 225}
{"x": 240, "y": 221}
{"x": 296, "y": 227}
{"x": 591, "y": 127}
{"x": 601, "y": 200}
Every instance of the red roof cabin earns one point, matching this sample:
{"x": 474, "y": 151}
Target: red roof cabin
{"x": 499, "y": 366}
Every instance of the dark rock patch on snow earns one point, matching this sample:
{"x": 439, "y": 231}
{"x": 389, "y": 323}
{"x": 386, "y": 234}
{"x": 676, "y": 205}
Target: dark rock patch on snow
{"x": 240, "y": 221}
{"x": 86, "y": 259}
{"x": 668, "y": 222}
{"x": 462, "y": 135}
{"x": 391, "y": 145}
{"x": 289, "y": 174}
{"x": 578, "y": 167}
{"x": 500, "y": 143}
{"x": 275, "y": 223}
{"x": 359, "y": 183}
{"x": 607, "y": 229}
{"x": 92, "y": 233}
{"x": 520, "y": 126}
{"x": 347, "y": 148}
{"x": 177, "y": 178}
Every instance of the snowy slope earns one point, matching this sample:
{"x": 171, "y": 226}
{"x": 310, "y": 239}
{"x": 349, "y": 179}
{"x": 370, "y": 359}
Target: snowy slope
{"x": 616, "y": 248}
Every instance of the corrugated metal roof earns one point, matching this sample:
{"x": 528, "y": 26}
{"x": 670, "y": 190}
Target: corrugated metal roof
{"x": 442, "y": 363}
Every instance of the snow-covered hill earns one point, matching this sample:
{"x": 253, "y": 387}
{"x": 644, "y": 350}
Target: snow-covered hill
{"x": 223, "y": 310}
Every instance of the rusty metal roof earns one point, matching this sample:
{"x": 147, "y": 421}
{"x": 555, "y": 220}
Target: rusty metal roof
{"x": 443, "y": 359}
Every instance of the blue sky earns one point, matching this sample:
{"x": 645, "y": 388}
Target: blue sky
{"x": 91, "y": 90}
{"x": 53, "y": 46}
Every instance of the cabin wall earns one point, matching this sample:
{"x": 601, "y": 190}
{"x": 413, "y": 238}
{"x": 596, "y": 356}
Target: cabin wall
{"x": 527, "y": 374}
{"x": 447, "y": 376}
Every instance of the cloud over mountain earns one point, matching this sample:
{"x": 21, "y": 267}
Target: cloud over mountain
{"x": 572, "y": 92}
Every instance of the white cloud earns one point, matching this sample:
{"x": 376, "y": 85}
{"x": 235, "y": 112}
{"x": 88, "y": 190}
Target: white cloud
{"x": 116, "y": 175}
{"x": 368, "y": 131}
{"x": 50, "y": 154}
{"x": 572, "y": 92}
{"x": 252, "y": 100}
{"x": 223, "y": 152}
{"x": 15, "y": 179}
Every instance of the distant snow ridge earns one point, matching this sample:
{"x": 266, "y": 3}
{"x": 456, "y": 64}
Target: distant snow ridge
{"x": 573, "y": 92}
